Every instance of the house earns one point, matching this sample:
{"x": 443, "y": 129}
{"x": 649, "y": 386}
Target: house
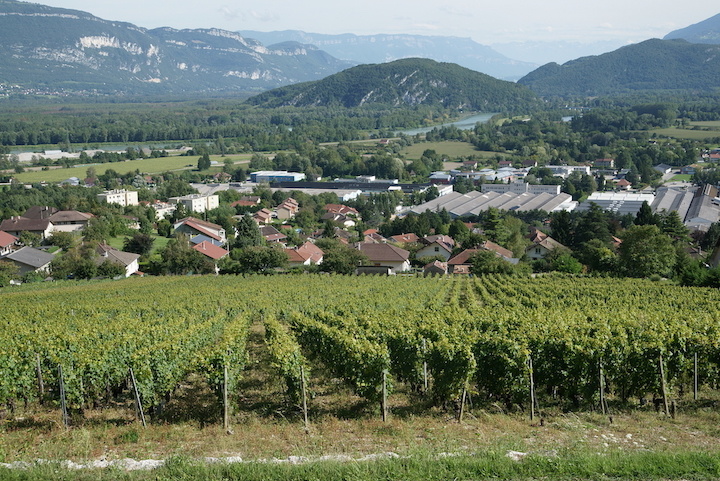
{"x": 529, "y": 163}
{"x": 687, "y": 170}
{"x": 263, "y": 216}
{"x": 542, "y": 244}
{"x": 341, "y": 209}
{"x": 436, "y": 245}
{"x": 663, "y": 168}
{"x": 386, "y": 255}
{"x": 69, "y": 221}
{"x": 127, "y": 260}
{"x": 287, "y": 209}
{"x": 461, "y": 263}
{"x": 435, "y": 268}
{"x": 18, "y": 224}
{"x": 405, "y": 238}
{"x": 272, "y": 235}
{"x": 8, "y": 242}
{"x": 623, "y": 184}
{"x": 191, "y": 227}
{"x": 340, "y": 219}
{"x": 604, "y": 163}
{"x": 163, "y": 209}
{"x": 29, "y": 259}
{"x": 470, "y": 164}
{"x": 505, "y": 163}
{"x": 305, "y": 255}
{"x": 499, "y": 251}
{"x": 211, "y": 250}
{"x": 40, "y": 212}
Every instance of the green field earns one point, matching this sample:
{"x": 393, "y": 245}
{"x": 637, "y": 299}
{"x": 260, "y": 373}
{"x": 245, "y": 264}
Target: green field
{"x": 681, "y": 178}
{"x": 146, "y": 166}
{"x": 695, "y": 131}
{"x": 449, "y": 148}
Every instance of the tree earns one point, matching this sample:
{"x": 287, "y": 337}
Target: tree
{"x": 645, "y": 215}
{"x": 178, "y": 257}
{"x": 8, "y": 272}
{"x": 248, "y": 233}
{"x": 339, "y": 258}
{"x": 646, "y": 250}
{"x": 111, "y": 270}
{"x": 63, "y": 240}
{"x": 487, "y": 262}
{"x": 256, "y": 259}
{"x": 204, "y": 162}
{"x": 139, "y": 243}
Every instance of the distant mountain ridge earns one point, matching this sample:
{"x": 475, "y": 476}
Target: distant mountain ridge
{"x": 651, "y": 65}
{"x": 707, "y": 31}
{"x": 404, "y": 82}
{"x": 382, "y": 48}
{"x": 55, "y": 48}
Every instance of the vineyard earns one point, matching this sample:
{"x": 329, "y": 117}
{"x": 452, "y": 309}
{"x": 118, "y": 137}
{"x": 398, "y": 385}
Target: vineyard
{"x": 570, "y": 342}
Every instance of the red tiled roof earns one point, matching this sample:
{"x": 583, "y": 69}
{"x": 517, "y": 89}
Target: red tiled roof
{"x": 7, "y": 239}
{"x": 383, "y": 252}
{"x": 405, "y": 238}
{"x": 211, "y": 250}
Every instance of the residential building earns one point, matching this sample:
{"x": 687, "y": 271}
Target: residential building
{"x": 393, "y": 258}
{"x": 29, "y": 259}
{"x": 18, "y": 224}
{"x": 197, "y": 202}
{"x": 542, "y": 244}
{"x": 211, "y": 250}
{"x": 119, "y": 196}
{"x": 69, "y": 221}
{"x": 8, "y": 242}
{"x": 192, "y": 226}
{"x": 305, "y": 255}
{"x": 127, "y": 260}
{"x": 436, "y": 246}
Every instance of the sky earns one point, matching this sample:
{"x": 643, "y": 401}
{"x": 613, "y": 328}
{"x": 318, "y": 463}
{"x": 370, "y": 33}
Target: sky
{"x": 486, "y": 22}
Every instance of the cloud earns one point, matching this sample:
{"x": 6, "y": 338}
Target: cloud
{"x": 450, "y": 10}
{"x": 230, "y": 13}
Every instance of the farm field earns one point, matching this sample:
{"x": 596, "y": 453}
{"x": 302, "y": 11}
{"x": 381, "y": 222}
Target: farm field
{"x": 146, "y": 166}
{"x": 332, "y": 343}
{"x": 449, "y": 148}
{"x": 700, "y": 130}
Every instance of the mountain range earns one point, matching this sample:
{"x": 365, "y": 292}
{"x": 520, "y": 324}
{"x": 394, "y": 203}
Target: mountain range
{"x": 57, "y": 49}
{"x": 381, "y": 48}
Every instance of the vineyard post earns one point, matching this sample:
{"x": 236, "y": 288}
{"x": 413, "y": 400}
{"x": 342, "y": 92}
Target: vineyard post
{"x": 304, "y": 397}
{"x": 532, "y": 388}
{"x": 63, "y": 401}
{"x": 41, "y": 385}
{"x": 695, "y": 379}
{"x": 425, "y": 376}
{"x": 602, "y": 390}
{"x": 384, "y": 395}
{"x": 462, "y": 403}
{"x": 226, "y": 411}
{"x": 138, "y": 403}
{"x": 663, "y": 386}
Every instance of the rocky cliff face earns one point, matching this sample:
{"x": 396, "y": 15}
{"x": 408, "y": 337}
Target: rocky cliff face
{"x": 74, "y": 51}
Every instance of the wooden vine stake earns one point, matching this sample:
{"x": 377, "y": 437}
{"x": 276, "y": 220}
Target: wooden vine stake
{"x": 425, "y": 376}
{"x": 602, "y": 390}
{"x": 41, "y": 384}
{"x": 304, "y": 398}
{"x": 664, "y": 387}
{"x": 63, "y": 400}
{"x": 532, "y": 388}
{"x": 226, "y": 407}
{"x": 695, "y": 378}
{"x": 138, "y": 403}
{"x": 384, "y": 395}
{"x": 462, "y": 403}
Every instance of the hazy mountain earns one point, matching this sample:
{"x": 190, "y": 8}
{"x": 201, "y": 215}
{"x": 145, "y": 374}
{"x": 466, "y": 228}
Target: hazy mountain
{"x": 707, "y": 31}
{"x": 381, "y": 48}
{"x": 404, "y": 82}
{"x": 51, "y": 48}
{"x": 651, "y": 65}
{"x": 561, "y": 51}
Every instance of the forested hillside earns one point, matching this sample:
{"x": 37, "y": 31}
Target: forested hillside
{"x": 653, "y": 65}
{"x": 404, "y": 82}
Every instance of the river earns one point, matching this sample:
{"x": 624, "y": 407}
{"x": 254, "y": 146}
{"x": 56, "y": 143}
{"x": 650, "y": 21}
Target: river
{"x": 467, "y": 123}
